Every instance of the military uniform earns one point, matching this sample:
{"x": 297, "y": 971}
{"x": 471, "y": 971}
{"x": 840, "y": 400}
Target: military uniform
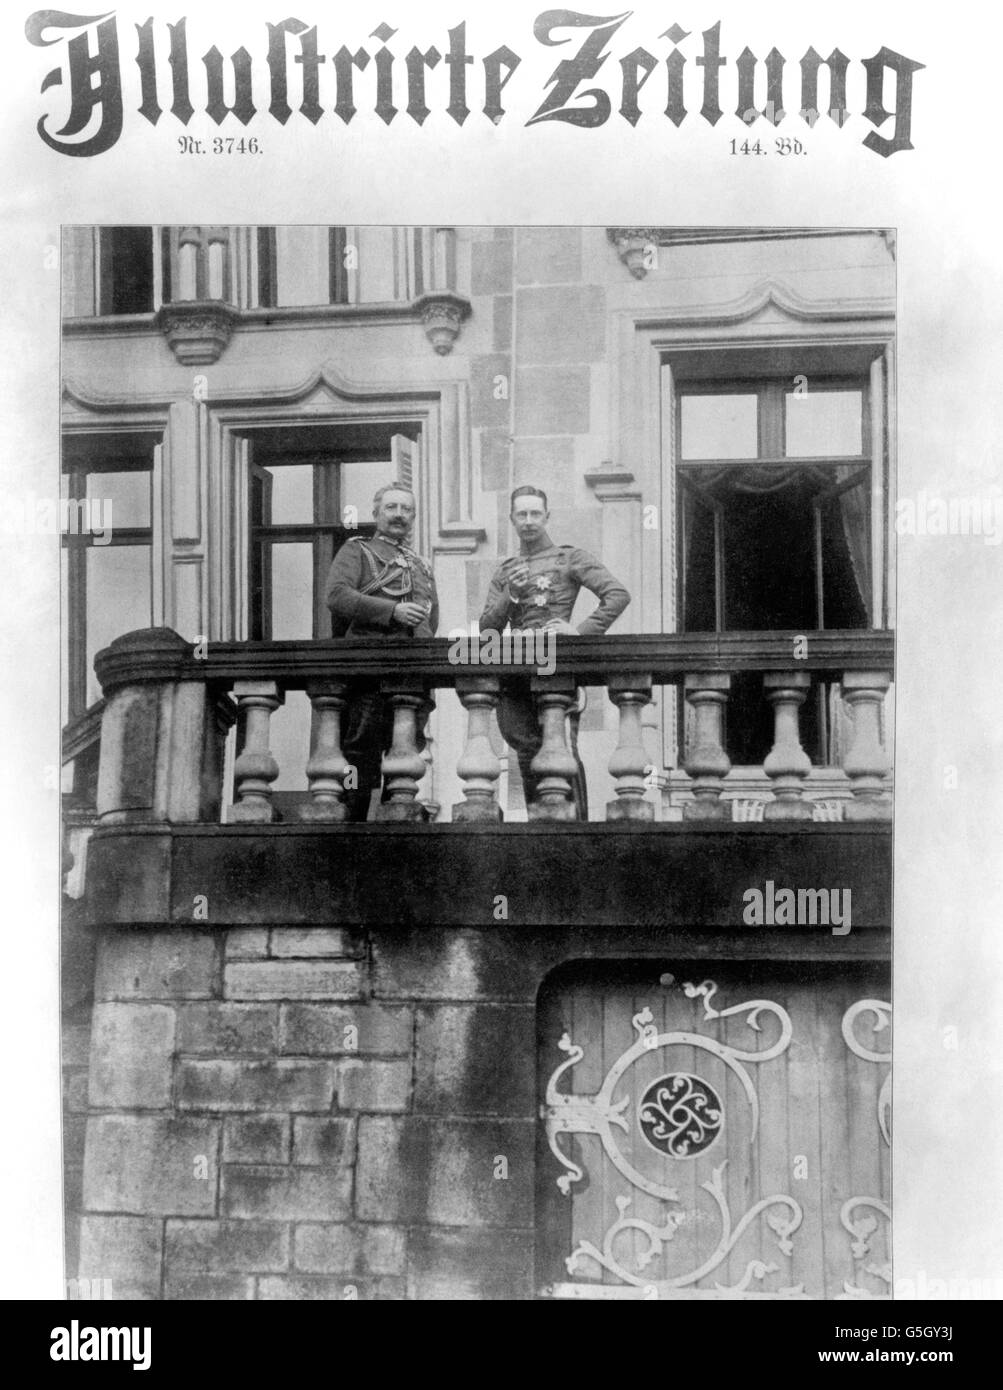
{"x": 369, "y": 576}
{"x": 557, "y": 574}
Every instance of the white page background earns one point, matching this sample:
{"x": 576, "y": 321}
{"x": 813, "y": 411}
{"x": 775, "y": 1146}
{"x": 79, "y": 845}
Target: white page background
{"x": 942, "y": 197}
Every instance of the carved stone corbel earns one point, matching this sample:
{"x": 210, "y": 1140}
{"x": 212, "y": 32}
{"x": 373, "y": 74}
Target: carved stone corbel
{"x": 197, "y": 330}
{"x": 442, "y": 312}
{"x": 632, "y": 244}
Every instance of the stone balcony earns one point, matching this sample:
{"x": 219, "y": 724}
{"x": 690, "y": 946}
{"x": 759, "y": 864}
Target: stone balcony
{"x": 161, "y": 847}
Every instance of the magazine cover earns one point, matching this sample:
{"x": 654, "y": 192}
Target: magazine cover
{"x": 501, "y": 540}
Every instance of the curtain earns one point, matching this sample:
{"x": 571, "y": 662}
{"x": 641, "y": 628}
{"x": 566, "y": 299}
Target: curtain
{"x": 853, "y": 513}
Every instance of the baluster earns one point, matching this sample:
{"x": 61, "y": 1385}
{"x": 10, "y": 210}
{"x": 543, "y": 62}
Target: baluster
{"x": 255, "y": 769}
{"x": 426, "y": 794}
{"x": 627, "y": 765}
{"x": 706, "y": 760}
{"x": 403, "y": 766}
{"x": 554, "y": 765}
{"x": 787, "y": 764}
{"x": 478, "y": 767}
{"x": 326, "y": 769}
{"x": 866, "y": 762}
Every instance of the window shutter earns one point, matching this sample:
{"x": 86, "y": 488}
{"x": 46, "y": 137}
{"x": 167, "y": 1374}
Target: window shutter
{"x": 403, "y": 455}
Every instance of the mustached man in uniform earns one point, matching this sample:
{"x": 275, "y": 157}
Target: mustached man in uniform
{"x": 379, "y": 587}
{"x": 537, "y": 589}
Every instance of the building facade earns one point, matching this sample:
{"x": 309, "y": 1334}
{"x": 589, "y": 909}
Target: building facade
{"x": 475, "y": 1048}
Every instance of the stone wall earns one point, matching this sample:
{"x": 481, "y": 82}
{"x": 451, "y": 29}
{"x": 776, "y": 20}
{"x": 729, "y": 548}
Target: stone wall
{"x": 317, "y": 1112}
{"x": 270, "y": 1118}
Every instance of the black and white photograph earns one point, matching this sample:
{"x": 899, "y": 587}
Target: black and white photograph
{"x": 501, "y": 535}
{"x": 479, "y": 689}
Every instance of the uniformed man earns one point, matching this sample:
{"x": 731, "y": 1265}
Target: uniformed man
{"x": 537, "y": 589}
{"x": 379, "y": 587}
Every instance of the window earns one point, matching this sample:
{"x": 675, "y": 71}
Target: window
{"x": 338, "y": 264}
{"x": 298, "y": 511}
{"x": 126, "y": 270}
{"x": 774, "y": 496}
{"x": 311, "y": 488}
{"x": 107, "y": 552}
{"x": 266, "y": 267}
{"x": 374, "y": 265}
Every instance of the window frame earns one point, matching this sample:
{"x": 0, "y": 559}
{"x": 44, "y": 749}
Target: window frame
{"x": 84, "y": 457}
{"x": 771, "y": 392}
{"x": 161, "y": 244}
{"x": 326, "y": 531}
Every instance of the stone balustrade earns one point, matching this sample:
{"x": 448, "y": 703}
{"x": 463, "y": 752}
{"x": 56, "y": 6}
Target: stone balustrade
{"x": 166, "y": 715}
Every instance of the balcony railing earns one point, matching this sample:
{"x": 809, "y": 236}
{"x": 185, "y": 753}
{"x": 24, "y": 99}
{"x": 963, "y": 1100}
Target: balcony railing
{"x": 169, "y": 707}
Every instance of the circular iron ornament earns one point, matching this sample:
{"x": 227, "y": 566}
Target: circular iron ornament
{"x": 680, "y": 1115}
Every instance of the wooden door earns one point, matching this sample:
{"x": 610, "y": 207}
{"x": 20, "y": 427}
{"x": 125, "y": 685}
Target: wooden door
{"x": 714, "y": 1132}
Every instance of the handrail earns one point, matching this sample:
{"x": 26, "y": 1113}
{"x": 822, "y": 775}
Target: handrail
{"x": 82, "y": 733}
{"x": 217, "y": 681}
{"x": 158, "y": 654}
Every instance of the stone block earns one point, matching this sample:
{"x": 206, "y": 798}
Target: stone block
{"x": 257, "y": 1138}
{"x": 222, "y": 1028}
{"x": 287, "y": 1194}
{"x": 75, "y": 1090}
{"x": 501, "y": 323}
{"x": 225, "y": 1247}
{"x": 552, "y": 400}
{"x": 548, "y": 255}
{"x": 476, "y": 1059}
{"x": 272, "y": 1085}
{"x": 305, "y": 943}
{"x": 74, "y": 1135}
{"x": 335, "y": 1030}
{"x": 75, "y": 1044}
{"x": 413, "y": 1170}
{"x": 490, "y": 267}
{"x": 496, "y": 460}
{"x": 451, "y": 964}
{"x": 125, "y": 1249}
{"x": 374, "y": 1085}
{"x": 205, "y": 1288}
{"x": 488, "y": 407}
{"x": 564, "y": 323}
{"x": 478, "y": 575}
{"x": 132, "y": 1048}
{"x": 329, "y": 1288}
{"x": 464, "y": 1265}
{"x": 247, "y": 943}
{"x": 177, "y": 964}
{"x": 281, "y": 979}
{"x": 324, "y": 1143}
{"x": 548, "y": 463}
{"x": 151, "y": 1164}
{"x": 345, "y": 1249}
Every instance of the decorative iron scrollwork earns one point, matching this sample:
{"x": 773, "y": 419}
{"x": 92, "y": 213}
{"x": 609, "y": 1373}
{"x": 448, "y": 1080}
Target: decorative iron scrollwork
{"x": 861, "y": 1225}
{"x": 862, "y": 1228}
{"x": 784, "y": 1218}
{"x": 883, "y": 1016}
{"x": 680, "y": 1115}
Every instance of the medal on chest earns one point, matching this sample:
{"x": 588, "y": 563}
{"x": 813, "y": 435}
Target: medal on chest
{"x": 542, "y": 584}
